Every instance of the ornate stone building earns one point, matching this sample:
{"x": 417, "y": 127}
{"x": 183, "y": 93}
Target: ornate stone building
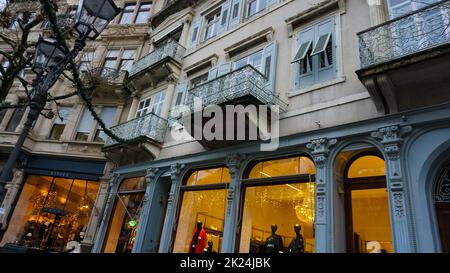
{"x": 362, "y": 158}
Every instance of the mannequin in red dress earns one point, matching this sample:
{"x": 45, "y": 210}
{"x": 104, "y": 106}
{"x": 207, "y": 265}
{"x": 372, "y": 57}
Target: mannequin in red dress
{"x": 198, "y": 242}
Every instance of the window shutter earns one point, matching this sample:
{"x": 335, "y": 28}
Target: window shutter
{"x": 224, "y": 69}
{"x": 212, "y": 73}
{"x": 270, "y": 63}
{"x": 224, "y": 17}
{"x": 271, "y": 3}
{"x": 180, "y": 92}
{"x": 305, "y": 65}
{"x": 326, "y": 59}
{"x": 195, "y": 32}
{"x": 235, "y": 13}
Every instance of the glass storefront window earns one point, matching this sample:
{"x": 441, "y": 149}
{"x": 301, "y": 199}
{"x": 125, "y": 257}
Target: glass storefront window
{"x": 51, "y": 212}
{"x": 125, "y": 215}
{"x": 282, "y": 205}
{"x": 283, "y": 167}
{"x": 202, "y": 213}
{"x": 367, "y": 166}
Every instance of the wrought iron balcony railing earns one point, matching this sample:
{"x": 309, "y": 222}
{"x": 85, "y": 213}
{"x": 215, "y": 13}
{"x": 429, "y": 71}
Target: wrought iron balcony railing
{"x": 99, "y": 75}
{"x": 236, "y": 84}
{"x": 148, "y": 126}
{"x": 169, "y": 48}
{"x": 414, "y": 32}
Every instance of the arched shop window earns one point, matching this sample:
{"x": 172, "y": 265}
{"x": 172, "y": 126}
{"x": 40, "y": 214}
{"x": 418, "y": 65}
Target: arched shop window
{"x": 367, "y": 205}
{"x": 204, "y": 194}
{"x": 124, "y": 218}
{"x": 51, "y": 212}
{"x": 278, "y": 195}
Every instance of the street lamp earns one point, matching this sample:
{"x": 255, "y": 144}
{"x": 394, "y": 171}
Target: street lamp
{"x": 49, "y": 63}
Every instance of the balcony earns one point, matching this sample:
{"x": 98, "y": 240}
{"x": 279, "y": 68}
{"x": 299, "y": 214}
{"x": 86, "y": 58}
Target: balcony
{"x": 244, "y": 86}
{"x": 144, "y": 137}
{"x": 157, "y": 65}
{"x": 104, "y": 82}
{"x": 405, "y": 62}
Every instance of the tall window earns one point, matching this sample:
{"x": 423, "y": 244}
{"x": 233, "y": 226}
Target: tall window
{"x": 143, "y": 13}
{"x": 366, "y": 197}
{"x": 86, "y": 61}
{"x": 60, "y": 122}
{"x": 127, "y": 14}
{"x": 202, "y": 214}
{"x": 127, "y": 59}
{"x": 15, "y": 119}
{"x": 125, "y": 216}
{"x": 152, "y": 104}
{"x": 212, "y": 24}
{"x": 256, "y": 6}
{"x": 51, "y": 212}
{"x": 107, "y": 116}
{"x": 85, "y": 126}
{"x": 117, "y": 59}
{"x": 254, "y": 59}
{"x": 111, "y": 59}
{"x": 315, "y": 58}
{"x": 278, "y": 214}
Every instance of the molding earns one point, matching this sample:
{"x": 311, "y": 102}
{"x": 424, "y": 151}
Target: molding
{"x": 263, "y": 36}
{"x": 391, "y": 137}
{"x": 208, "y": 61}
{"x": 316, "y": 87}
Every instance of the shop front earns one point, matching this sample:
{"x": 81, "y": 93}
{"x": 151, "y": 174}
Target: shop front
{"x": 54, "y": 204}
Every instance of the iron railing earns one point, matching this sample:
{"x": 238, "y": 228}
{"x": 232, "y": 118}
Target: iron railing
{"x": 236, "y": 84}
{"x": 414, "y": 32}
{"x": 169, "y": 48}
{"x": 149, "y": 125}
{"x": 106, "y": 74}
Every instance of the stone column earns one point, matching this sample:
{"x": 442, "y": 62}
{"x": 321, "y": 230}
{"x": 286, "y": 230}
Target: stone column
{"x": 171, "y": 79}
{"x": 172, "y": 205}
{"x": 134, "y": 106}
{"x": 402, "y": 223}
{"x": 320, "y": 149}
{"x": 233, "y": 162}
{"x": 102, "y": 225}
{"x": 150, "y": 177}
{"x": 377, "y": 12}
{"x": 12, "y": 189}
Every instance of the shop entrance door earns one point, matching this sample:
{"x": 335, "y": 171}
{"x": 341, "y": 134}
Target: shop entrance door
{"x": 443, "y": 215}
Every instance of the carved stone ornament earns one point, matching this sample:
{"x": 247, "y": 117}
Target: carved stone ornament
{"x": 391, "y": 138}
{"x": 150, "y": 173}
{"x": 320, "y": 149}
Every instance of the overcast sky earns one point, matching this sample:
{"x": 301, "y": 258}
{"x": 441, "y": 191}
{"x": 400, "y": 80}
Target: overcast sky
{"x": 2, "y": 4}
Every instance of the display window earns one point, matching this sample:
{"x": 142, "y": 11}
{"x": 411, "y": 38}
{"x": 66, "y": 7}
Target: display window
{"x": 123, "y": 223}
{"x": 51, "y": 212}
{"x": 202, "y": 213}
{"x": 278, "y": 208}
{"x": 367, "y": 206}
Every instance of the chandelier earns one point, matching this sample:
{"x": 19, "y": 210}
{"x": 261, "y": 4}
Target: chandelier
{"x": 305, "y": 209}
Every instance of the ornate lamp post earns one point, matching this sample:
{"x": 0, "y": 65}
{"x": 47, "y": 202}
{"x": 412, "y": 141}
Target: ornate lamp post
{"x": 50, "y": 61}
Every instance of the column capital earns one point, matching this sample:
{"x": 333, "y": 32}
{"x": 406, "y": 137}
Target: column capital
{"x": 234, "y": 162}
{"x": 150, "y": 173}
{"x": 171, "y": 79}
{"x": 114, "y": 179}
{"x": 320, "y": 148}
{"x": 391, "y": 138}
{"x": 175, "y": 171}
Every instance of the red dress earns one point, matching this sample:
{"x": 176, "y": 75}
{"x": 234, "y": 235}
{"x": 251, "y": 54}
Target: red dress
{"x": 201, "y": 241}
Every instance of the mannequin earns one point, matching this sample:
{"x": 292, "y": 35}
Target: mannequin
{"x": 297, "y": 245}
{"x": 274, "y": 244}
{"x": 209, "y": 248}
{"x": 198, "y": 242}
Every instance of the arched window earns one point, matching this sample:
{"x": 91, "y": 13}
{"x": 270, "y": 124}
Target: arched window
{"x": 123, "y": 222}
{"x": 204, "y": 194}
{"x": 278, "y": 195}
{"x": 367, "y": 205}
{"x": 442, "y": 204}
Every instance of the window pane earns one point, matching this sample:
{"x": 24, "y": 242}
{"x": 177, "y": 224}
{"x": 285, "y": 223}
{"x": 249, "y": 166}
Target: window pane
{"x": 142, "y": 17}
{"x": 283, "y": 167}
{"x": 371, "y": 224}
{"x": 207, "y": 207}
{"x": 15, "y": 120}
{"x": 85, "y": 124}
{"x": 63, "y": 115}
{"x": 367, "y": 166}
{"x": 57, "y": 131}
{"x": 107, "y": 115}
{"x": 284, "y": 206}
{"x": 210, "y": 176}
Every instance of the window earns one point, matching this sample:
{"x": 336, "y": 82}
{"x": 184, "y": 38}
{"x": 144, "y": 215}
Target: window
{"x": 86, "y": 61}
{"x": 202, "y": 213}
{"x": 117, "y": 59}
{"x": 111, "y": 59}
{"x": 127, "y": 14}
{"x": 127, "y": 60}
{"x": 212, "y": 24}
{"x": 85, "y": 126}
{"x": 51, "y": 212}
{"x": 315, "y": 56}
{"x": 107, "y": 116}
{"x": 198, "y": 81}
{"x": 254, "y": 59}
{"x": 143, "y": 13}
{"x": 125, "y": 216}
{"x": 256, "y": 6}
{"x": 152, "y": 104}
{"x": 276, "y": 207}
{"x": 398, "y": 8}
{"x": 72, "y": 12}
{"x": 15, "y": 120}
{"x": 60, "y": 122}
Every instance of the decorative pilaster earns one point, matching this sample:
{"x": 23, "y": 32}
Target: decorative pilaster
{"x": 172, "y": 204}
{"x": 12, "y": 189}
{"x": 391, "y": 138}
{"x": 233, "y": 162}
{"x": 320, "y": 149}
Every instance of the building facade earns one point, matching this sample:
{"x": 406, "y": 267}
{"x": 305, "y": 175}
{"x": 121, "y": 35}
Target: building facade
{"x": 362, "y": 134}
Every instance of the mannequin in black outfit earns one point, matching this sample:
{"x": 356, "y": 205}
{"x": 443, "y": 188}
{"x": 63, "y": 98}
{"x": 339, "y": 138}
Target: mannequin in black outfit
{"x": 274, "y": 244}
{"x": 297, "y": 245}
